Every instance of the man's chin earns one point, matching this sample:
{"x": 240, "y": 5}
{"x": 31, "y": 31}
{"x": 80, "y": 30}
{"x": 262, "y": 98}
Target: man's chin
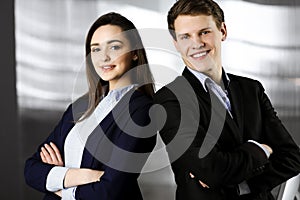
{"x": 197, "y": 67}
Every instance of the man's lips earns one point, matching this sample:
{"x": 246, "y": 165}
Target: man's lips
{"x": 199, "y": 55}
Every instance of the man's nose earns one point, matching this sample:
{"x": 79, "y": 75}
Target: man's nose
{"x": 198, "y": 42}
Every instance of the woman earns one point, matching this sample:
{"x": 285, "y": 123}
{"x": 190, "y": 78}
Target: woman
{"x": 95, "y": 150}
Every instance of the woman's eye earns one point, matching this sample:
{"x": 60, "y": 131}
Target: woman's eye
{"x": 115, "y": 47}
{"x": 94, "y": 50}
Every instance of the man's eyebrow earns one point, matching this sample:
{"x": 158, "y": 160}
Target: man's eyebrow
{"x": 204, "y": 29}
{"x": 182, "y": 34}
{"x": 201, "y": 30}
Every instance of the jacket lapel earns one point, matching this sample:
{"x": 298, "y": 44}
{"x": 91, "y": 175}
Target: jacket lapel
{"x": 236, "y": 99}
{"x": 196, "y": 85}
{"x": 218, "y": 108}
{"x": 102, "y": 136}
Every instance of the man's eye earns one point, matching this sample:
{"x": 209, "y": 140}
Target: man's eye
{"x": 204, "y": 32}
{"x": 184, "y": 37}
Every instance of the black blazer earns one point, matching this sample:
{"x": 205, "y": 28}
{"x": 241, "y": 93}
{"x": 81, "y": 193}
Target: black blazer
{"x": 192, "y": 124}
{"x": 114, "y": 184}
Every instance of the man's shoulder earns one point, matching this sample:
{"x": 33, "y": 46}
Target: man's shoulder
{"x": 164, "y": 91}
{"x": 177, "y": 82}
{"x": 246, "y": 83}
{"x": 180, "y": 86}
{"x": 242, "y": 79}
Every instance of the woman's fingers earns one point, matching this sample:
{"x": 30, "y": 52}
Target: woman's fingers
{"x": 46, "y": 155}
{"x": 50, "y": 154}
{"x": 57, "y": 153}
{"x": 43, "y": 157}
{"x": 58, "y": 193}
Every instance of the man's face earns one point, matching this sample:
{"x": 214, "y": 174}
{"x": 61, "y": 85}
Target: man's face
{"x": 199, "y": 42}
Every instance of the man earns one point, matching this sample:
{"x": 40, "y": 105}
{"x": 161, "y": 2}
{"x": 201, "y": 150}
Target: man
{"x": 222, "y": 134}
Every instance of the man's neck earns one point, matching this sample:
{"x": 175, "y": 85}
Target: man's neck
{"x": 216, "y": 76}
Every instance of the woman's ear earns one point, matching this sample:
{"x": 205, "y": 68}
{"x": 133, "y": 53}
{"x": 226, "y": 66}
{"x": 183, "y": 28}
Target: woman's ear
{"x": 135, "y": 57}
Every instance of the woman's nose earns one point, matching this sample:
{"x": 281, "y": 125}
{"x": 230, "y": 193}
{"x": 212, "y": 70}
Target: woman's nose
{"x": 105, "y": 56}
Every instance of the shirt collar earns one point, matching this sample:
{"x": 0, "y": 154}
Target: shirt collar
{"x": 118, "y": 93}
{"x": 203, "y": 78}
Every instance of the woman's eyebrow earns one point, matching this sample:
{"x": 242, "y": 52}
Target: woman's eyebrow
{"x": 108, "y": 42}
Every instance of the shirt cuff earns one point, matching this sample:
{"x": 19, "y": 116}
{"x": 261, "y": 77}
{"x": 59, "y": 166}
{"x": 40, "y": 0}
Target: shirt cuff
{"x": 69, "y": 193}
{"x": 244, "y": 188}
{"x": 261, "y": 146}
{"x": 55, "y": 178}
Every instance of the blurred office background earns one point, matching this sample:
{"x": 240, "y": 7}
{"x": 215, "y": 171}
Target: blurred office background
{"x": 42, "y": 54}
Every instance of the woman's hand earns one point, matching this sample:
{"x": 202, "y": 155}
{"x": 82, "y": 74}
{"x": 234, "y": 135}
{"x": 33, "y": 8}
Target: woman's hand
{"x": 50, "y": 154}
{"x": 58, "y": 193}
{"x": 75, "y": 176}
{"x": 81, "y": 176}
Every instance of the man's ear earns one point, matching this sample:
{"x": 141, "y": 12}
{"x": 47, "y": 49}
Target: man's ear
{"x": 223, "y": 31}
{"x": 176, "y": 45}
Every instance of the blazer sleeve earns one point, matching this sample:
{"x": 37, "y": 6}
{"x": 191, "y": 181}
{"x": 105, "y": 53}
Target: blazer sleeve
{"x": 285, "y": 160}
{"x": 220, "y": 167}
{"x": 35, "y": 170}
{"x": 116, "y": 184}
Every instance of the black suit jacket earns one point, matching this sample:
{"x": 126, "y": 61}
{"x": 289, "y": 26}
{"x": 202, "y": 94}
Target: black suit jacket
{"x": 197, "y": 122}
{"x": 114, "y": 184}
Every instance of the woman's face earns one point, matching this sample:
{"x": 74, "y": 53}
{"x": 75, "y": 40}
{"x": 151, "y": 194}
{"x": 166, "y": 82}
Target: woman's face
{"x": 111, "y": 54}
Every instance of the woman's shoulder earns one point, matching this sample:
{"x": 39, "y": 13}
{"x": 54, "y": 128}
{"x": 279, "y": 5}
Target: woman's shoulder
{"x": 78, "y": 107}
{"x": 134, "y": 100}
{"x": 81, "y": 101}
{"x": 138, "y": 97}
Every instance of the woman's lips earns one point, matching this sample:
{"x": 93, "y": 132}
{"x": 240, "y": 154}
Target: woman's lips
{"x": 106, "y": 68}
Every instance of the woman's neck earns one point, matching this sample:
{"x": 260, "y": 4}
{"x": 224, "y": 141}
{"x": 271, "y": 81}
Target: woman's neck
{"x": 122, "y": 82}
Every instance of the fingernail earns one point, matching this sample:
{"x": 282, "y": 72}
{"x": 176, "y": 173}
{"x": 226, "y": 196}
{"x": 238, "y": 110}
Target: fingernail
{"x": 191, "y": 175}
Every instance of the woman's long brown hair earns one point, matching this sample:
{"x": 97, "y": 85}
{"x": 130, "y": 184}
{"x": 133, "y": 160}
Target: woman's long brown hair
{"x": 142, "y": 74}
